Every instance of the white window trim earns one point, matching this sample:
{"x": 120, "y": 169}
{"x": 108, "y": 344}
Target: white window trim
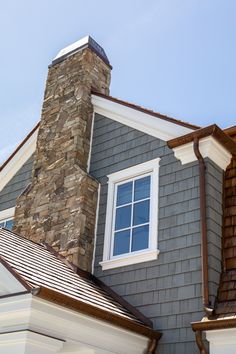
{"x": 152, "y": 252}
{"x": 7, "y": 214}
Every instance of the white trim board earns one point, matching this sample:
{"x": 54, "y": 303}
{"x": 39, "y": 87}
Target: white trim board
{"x": 144, "y": 122}
{"x": 18, "y": 160}
{"x": 79, "y": 333}
{"x": 109, "y": 262}
{"x": 7, "y": 214}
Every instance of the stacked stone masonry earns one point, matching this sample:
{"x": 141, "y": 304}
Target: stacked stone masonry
{"x": 59, "y": 206}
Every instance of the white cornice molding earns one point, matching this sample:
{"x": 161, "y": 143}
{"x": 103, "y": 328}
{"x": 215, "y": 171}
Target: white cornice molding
{"x": 18, "y": 160}
{"x": 79, "y": 332}
{"x": 209, "y": 147}
{"x": 144, "y": 122}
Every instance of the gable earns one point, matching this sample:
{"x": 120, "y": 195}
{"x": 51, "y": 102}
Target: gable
{"x": 19, "y": 157}
{"x": 16, "y": 185}
{"x": 8, "y": 283}
{"x": 151, "y": 123}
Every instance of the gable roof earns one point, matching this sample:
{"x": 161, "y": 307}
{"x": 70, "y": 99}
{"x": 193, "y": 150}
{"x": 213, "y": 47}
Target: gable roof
{"x": 147, "y": 111}
{"x": 49, "y": 276}
{"x": 19, "y": 156}
{"x": 134, "y": 116}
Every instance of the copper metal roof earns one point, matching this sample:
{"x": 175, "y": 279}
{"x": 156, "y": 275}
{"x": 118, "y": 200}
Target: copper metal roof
{"x": 37, "y": 266}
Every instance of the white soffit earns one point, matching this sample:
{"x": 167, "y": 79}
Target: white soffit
{"x": 18, "y": 160}
{"x": 209, "y": 147}
{"x": 8, "y": 283}
{"x": 146, "y": 123}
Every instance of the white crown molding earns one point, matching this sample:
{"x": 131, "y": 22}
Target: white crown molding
{"x": 18, "y": 160}
{"x": 209, "y": 147}
{"x": 144, "y": 122}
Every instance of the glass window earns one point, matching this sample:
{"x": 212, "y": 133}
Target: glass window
{"x": 8, "y": 224}
{"x": 132, "y": 216}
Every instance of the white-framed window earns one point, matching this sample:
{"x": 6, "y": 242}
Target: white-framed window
{"x": 131, "y": 216}
{"x": 6, "y": 218}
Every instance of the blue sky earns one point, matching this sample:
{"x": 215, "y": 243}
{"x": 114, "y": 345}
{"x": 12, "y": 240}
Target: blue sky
{"x": 177, "y": 57}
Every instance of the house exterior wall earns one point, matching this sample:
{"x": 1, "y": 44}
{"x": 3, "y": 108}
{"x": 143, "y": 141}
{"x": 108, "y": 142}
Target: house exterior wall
{"x": 167, "y": 290}
{"x": 16, "y": 185}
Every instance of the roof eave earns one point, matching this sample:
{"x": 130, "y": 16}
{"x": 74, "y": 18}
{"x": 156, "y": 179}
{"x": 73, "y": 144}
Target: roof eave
{"x": 215, "y": 324}
{"x": 98, "y": 313}
{"x": 212, "y": 130}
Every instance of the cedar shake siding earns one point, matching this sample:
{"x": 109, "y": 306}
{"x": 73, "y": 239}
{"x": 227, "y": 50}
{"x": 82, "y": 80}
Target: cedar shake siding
{"x": 166, "y": 290}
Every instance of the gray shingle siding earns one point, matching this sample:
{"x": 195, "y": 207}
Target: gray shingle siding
{"x": 167, "y": 290}
{"x": 16, "y": 185}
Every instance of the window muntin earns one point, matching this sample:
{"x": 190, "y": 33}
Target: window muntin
{"x": 131, "y": 216}
{"x": 126, "y": 188}
{"x": 8, "y": 224}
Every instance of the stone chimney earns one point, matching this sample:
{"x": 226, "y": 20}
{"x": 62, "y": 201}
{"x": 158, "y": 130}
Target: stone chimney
{"x": 59, "y": 206}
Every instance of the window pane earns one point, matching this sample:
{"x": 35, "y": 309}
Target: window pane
{"x": 124, "y": 193}
{"x": 140, "y": 238}
{"x": 121, "y": 242}
{"x": 9, "y": 224}
{"x": 141, "y": 212}
{"x": 123, "y": 217}
{"x": 2, "y": 224}
{"x": 142, "y": 188}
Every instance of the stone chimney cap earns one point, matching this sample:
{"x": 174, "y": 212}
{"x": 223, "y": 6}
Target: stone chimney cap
{"x": 85, "y": 42}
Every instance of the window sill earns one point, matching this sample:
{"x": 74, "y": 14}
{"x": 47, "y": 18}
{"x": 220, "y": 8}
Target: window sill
{"x": 145, "y": 256}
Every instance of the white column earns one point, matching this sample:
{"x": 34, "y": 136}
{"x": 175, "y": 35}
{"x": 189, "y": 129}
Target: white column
{"x": 222, "y": 341}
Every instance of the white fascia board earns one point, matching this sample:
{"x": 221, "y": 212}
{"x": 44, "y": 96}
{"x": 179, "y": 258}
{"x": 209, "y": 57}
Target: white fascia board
{"x": 80, "y": 329}
{"x": 7, "y": 214}
{"x": 209, "y": 147}
{"x": 18, "y": 160}
{"x": 144, "y": 122}
{"x": 8, "y": 283}
{"x": 81, "y": 333}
